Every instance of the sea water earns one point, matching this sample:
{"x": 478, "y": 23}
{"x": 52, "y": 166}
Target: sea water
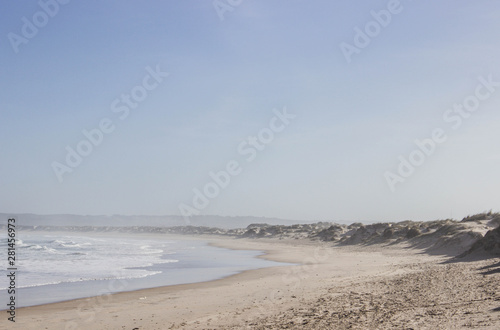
{"x": 56, "y": 267}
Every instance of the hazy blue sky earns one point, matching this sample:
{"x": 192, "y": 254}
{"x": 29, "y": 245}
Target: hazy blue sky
{"x": 65, "y": 69}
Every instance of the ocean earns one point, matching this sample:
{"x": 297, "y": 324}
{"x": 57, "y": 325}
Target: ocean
{"x": 55, "y": 267}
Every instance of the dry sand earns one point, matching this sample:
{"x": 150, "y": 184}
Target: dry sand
{"x": 351, "y": 287}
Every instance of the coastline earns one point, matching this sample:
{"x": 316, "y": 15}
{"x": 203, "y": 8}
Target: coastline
{"x": 241, "y": 299}
{"x": 193, "y": 261}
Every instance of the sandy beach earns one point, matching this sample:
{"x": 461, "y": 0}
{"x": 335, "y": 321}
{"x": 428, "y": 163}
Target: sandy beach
{"x": 364, "y": 287}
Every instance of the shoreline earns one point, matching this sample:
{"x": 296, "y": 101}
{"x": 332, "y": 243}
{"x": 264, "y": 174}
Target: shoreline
{"x": 94, "y": 304}
{"x": 242, "y": 299}
{"x": 231, "y": 263}
{"x": 211, "y": 241}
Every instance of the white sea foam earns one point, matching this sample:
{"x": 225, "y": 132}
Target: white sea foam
{"x": 48, "y": 259}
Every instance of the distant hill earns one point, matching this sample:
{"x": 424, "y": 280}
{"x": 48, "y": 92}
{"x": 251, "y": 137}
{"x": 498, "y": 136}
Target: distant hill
{"x": 142, "y": 220}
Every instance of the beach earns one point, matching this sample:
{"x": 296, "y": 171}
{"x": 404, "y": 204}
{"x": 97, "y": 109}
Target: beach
{"x": 329, "y": 287}
{"x": 61, "y": 266}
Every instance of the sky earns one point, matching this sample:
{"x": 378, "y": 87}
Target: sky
{"x": 305, "y": 110}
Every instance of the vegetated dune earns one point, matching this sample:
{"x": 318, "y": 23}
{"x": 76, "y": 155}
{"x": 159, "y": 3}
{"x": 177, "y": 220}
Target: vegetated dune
{"x": 448, "y": 237}
{"x": 487, "y": 245}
